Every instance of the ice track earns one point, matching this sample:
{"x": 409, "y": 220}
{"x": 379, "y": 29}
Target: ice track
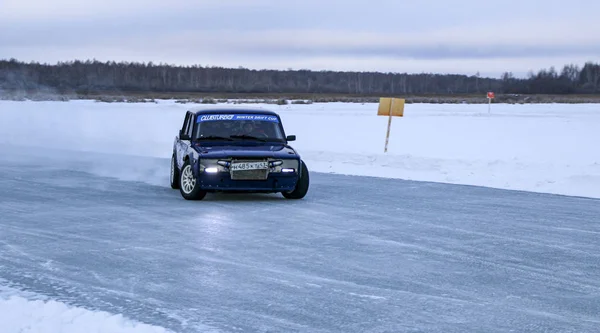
{"x": 357, "y": 255}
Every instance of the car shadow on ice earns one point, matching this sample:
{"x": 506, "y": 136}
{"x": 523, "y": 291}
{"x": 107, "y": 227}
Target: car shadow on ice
{"x": 223, "y": 196}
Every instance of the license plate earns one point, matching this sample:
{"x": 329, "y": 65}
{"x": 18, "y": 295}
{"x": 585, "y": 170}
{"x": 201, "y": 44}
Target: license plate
{"x": 249, "y": 166}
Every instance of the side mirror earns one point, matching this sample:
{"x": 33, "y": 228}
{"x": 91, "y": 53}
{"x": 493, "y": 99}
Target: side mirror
{"x": 291, "y": 138}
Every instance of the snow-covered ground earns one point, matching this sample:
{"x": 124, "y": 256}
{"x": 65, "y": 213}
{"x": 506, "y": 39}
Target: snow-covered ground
{"x": 549, "y": 148}
{"x": 21, "y": 313}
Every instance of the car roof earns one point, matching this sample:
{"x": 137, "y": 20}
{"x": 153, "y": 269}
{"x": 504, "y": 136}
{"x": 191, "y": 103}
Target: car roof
{"x": 231, "y": 109}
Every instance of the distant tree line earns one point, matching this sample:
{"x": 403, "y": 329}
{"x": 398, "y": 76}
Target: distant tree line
{"x": 91, "y": 76}
{"x": 570, "y": 80}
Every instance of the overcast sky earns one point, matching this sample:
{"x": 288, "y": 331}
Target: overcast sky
{"x": 462, "y": 36}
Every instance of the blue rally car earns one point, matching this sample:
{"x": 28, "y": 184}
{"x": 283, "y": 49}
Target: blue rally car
{"x": 236, "y": 150}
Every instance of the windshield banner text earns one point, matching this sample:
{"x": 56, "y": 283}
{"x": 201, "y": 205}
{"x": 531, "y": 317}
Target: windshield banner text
{"x": 254, "y": 117}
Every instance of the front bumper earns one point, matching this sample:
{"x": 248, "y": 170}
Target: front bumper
{"x": 221, "y": 181}
{"x": 271, "y": 180}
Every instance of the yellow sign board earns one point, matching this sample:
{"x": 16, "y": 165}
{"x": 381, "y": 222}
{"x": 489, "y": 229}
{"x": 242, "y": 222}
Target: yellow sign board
{"x": 391, "y": 106}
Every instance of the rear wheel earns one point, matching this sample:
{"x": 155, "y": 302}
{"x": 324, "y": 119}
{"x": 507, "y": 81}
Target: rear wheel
{"x": 189, "y": 185}
{"x": 301, "y": 187}
{"x": 174, "y": 177}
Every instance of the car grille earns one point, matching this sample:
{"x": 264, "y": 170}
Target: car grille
{"x": 249, "y": 174}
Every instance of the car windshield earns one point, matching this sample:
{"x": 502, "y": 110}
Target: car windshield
{"x": 253, "y": 127}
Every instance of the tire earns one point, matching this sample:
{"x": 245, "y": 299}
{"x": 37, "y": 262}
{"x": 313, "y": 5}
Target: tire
{"x": 301, "y": 187}
{"x": 189, "y": 187}
{"x": 174, "y": 175}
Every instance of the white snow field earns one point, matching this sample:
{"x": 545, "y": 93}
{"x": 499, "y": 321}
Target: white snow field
{"x": 26, "y": 314}
{"x": 551, "y": 148}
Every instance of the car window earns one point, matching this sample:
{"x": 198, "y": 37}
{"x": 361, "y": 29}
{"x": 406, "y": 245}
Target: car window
{"x": 185, "y": 122}
{"x": 190, "y": 125}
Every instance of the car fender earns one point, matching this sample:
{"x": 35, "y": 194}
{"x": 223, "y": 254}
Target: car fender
{"x": 177, "y": 152}
{"x": 193, "y": 156}
{"x": 294, "y": 150}
{"x": 298, "y": 157}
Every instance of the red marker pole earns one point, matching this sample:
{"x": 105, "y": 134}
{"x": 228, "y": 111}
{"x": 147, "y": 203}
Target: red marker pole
{"x": 490, "y": 95}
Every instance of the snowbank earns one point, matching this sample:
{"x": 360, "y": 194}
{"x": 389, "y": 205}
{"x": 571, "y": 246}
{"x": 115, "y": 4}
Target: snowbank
{"x": 19, "y": 314}
{"x": 544, "y": 148}
{"x": 541, "y": 148}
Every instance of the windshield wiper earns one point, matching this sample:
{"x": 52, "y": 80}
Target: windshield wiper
{"x": 214, "y": 137}
{"x": 247, "y": 137}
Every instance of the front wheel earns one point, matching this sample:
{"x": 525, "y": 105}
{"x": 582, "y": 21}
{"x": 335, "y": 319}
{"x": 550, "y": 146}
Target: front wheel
{"x": 189, "y": 185}
{"x": 301, "y": 187}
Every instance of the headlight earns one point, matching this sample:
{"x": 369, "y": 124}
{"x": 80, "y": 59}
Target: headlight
{"x": 285, "y": 165}
{"x": 212, "y": 166}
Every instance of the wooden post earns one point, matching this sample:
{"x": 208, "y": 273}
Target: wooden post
{"x": 389, "y": 127}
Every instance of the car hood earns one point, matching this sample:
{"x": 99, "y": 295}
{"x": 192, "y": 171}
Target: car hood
{"x": 236, "y": 151}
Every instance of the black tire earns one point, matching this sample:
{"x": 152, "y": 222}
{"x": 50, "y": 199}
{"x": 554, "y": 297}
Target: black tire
{"x": 301, "y": 187}
{"x": 174, "y": 175}
{"x": 189, "y": 187}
